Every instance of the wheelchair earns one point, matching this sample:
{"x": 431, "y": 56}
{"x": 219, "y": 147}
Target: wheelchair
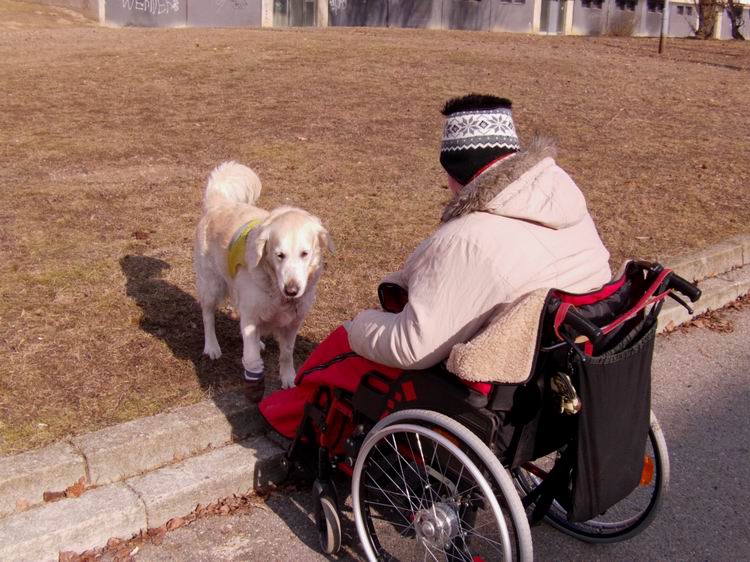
{"x": 446, "y": 469}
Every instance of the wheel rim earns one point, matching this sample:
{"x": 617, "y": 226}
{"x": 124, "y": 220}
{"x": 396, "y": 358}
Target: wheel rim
{"x": 620, "y": 521}
{"x": 420, "y": 497}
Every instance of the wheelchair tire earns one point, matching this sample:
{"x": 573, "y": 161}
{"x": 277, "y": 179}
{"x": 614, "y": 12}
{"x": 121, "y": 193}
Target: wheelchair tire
{"x": 626, "y": 518}
{"x": 407, "y": 507}
{"x": 327, "y": 517}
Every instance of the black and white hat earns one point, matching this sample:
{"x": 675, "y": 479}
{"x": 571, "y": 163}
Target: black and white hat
{"x": 478, "y": 131}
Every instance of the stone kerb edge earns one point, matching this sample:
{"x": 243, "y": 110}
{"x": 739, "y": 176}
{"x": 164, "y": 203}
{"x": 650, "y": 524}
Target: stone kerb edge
{"x": 175, "y": 490}
{"x": 135, "y": 447}
{"x": 24, "y": 478}
{"x": 75, "y": 524}
{"x": 124, "y": 450}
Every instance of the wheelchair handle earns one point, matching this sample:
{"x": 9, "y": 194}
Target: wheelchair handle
{"x": 583, "y": 326}
{"x": 690, "y": 290}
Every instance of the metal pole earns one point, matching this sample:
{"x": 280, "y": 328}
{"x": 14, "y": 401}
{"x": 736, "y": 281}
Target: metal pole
{"x": 664, "y": 26}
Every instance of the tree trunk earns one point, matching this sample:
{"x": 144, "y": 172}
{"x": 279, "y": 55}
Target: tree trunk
{"x": 735, "y": 19}
{"x": 706, "y": 18}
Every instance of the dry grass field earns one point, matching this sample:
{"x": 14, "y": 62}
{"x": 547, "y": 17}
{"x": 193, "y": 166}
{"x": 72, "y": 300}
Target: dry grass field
{"x": 107, "y": 136}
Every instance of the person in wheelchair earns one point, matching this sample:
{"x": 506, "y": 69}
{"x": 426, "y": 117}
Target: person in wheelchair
{"x": 516, "y": 222}
{"x": 542, "y": 409}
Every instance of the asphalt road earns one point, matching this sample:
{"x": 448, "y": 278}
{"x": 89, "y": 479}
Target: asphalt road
{"x": 701, "y": 395}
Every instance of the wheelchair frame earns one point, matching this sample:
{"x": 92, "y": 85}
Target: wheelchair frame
{"x": 340, "y": 429}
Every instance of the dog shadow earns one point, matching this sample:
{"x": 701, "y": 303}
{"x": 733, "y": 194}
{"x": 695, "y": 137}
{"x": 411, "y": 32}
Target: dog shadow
{"x": 174, "y": 316}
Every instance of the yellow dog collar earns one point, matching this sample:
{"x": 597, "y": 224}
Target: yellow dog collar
{"x": 237, "y": 247}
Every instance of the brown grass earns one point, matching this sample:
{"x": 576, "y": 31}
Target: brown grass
{"x": 107, "y": 135}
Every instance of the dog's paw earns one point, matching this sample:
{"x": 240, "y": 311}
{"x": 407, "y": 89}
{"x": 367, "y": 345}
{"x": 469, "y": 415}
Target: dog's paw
{"x": 287, "y": 380}
{"x": 213, "y": 351}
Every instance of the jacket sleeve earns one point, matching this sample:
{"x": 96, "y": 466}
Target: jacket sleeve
{"x": 450, "y": 297}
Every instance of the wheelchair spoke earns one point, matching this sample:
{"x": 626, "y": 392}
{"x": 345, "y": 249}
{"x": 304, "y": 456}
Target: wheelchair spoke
{"x": 496, "y": 545}
{"x": 403, "y": 492}
{"x": 423, "y": 496}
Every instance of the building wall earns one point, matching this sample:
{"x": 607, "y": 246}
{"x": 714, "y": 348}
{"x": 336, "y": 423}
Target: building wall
{"x": 683, "y": 20}
{"x": 146, "y": 13}
{"x": 578, "y": 17}
{"x": 649, "y": 15}
{"x": 467, "y": 14}
{"x": 358, "y": 13}
{"x": 515, "y": 15}
{"x": 589, "y": 18}
{"x": 415, "y": 13}
{"x": 173, "y": 13}
{"x": 486, "y": 15}
{"x": 230, "y": 13}
{"x": 89, "y": 8}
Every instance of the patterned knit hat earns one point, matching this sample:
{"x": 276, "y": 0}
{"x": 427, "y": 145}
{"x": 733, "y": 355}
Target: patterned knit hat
{"x": 478, "y": 131}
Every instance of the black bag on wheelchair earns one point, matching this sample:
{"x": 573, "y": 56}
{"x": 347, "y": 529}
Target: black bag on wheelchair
{"x": 613, "y": 423}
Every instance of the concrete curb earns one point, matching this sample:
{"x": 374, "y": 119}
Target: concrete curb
{"x": 145, "y": 472}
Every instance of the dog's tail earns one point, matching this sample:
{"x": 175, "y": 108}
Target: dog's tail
{"x": 231, "y": 182}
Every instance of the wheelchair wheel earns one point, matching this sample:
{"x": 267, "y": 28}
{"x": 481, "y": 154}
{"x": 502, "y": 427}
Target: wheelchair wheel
{"x": 426, "y": 488}
{"x": 626, "y": 518}
{"x": 327, "y": 518}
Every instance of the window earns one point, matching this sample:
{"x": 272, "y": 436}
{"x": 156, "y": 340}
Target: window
{"x": 680, "y": 10}
{"x": 688, "y": 10}
{"x": 626, "y": 5}
{"x": 655, "y": 5}
{"x": 593, "y": 4}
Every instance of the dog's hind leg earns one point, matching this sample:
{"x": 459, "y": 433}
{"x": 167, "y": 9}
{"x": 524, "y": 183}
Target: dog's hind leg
{"x": 211, "y": 293}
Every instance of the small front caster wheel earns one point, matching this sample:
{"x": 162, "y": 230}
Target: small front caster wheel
{"x": 327, "y": 516}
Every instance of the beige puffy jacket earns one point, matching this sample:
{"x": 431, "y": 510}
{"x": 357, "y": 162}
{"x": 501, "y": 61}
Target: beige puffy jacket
{"x": 522, "y": 225}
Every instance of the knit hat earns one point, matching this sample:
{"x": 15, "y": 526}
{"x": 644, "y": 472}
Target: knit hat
{"x": 478, "y": 131}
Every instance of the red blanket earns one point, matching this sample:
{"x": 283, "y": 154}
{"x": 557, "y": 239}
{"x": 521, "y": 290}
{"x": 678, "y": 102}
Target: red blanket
{"x": 332, "y": 363}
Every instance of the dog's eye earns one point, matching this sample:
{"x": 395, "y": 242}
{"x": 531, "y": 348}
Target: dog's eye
{"x": 304, "y": 254}
{"x": 280, "y": 255}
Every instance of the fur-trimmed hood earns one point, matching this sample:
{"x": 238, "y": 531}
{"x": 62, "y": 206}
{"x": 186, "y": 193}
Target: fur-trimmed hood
{"x": 528, "y": 186}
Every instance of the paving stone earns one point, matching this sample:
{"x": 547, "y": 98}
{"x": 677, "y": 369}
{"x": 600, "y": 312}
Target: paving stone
{"x": 75, "y": 524}
{"x": 742, "y": 240}
{"x": 25, "y": 477}
{"x": 131, "y": 448}
{"x": 717, "y": 292}
{"x": 703, "y": 264}
{"x": 176, "y": 490}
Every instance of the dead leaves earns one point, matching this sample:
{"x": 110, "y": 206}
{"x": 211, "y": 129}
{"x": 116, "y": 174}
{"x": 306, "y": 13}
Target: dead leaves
{"x": 73, "y": 491}
{"x": 713, "y": 321}
{"x": 119, "y": 550}
{"x": 717, "y": 320}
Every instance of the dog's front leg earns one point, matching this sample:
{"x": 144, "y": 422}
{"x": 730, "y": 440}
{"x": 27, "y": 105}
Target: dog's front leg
{"x": 286, "y": 337}
{"x": 251, "y": 348}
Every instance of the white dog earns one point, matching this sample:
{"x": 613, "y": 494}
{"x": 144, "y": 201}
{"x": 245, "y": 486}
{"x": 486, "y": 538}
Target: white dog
{"x": 268, "y": 262}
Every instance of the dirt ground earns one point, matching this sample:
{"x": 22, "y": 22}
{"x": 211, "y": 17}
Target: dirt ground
{"x": 107, "y": 136}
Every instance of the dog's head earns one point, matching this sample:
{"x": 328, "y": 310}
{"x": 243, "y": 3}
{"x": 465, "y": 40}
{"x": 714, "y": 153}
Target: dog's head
{"x": 289, "y": 245}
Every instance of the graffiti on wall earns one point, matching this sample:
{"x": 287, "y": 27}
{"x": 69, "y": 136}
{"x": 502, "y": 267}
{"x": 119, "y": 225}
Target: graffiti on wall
{"x": 153, "y": 7}
{"x": 337, "y": 5}
{"x": 236, "y": 4}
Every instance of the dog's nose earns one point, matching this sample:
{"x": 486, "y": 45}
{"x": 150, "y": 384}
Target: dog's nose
{"x": 291, "y": 290}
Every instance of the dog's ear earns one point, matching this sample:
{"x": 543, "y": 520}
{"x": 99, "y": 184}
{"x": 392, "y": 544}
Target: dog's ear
{"x": 325, "y": 240}
{"x": 259, "y": 246}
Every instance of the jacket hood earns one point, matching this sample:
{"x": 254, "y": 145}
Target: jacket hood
{"x": 529, "y": 186}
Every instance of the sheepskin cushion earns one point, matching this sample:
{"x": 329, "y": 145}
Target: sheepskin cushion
{"x": 504, "y": 351}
